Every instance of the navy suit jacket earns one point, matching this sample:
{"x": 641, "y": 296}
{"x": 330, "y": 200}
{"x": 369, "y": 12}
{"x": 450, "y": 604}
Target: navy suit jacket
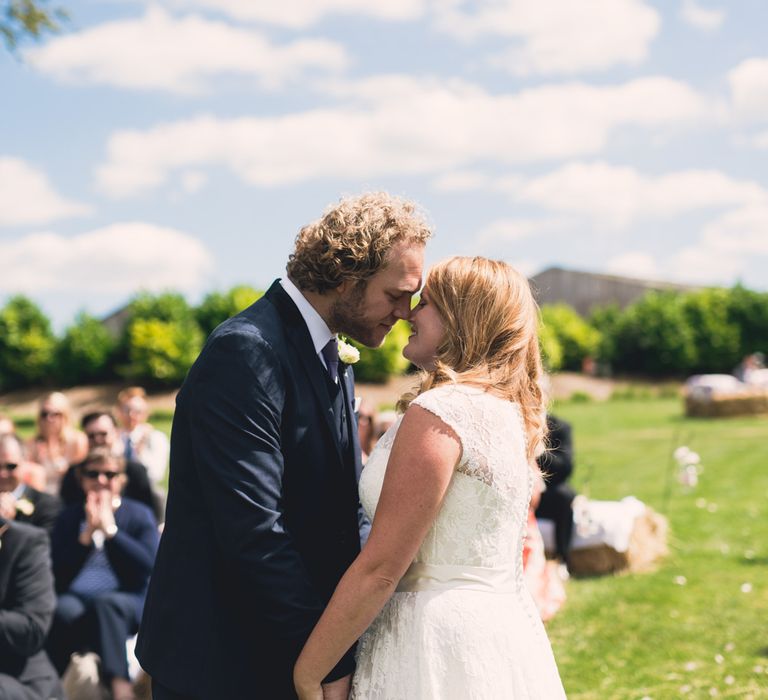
{"x": 263, "y": 515}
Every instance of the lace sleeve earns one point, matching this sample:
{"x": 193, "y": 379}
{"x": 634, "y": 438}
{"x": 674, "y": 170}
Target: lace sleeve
{"x": 451, "y": 404}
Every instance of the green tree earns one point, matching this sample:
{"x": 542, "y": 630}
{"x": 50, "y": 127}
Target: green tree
{"x": 653, "y": 337}
{"x": 162, "y": 339}
{"x": 379, "y": 364}
{"x": 748, "y": 310}
{"x": 576, "y": 337}
{"x": 551, "y": 350}
{"x": 28, "y": 18}
{"x": 217, "y": 307}
{"x": 85, "y": 351}
{"x": 716, "y": 336}
{"x": 27, "y": 344}
{"x": 605, "y": 319}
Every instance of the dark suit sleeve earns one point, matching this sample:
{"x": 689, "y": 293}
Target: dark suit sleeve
{"x": 132, "y": 550}
{"x": 236, "y": 400}
{"x": 557, "y": 461}
{"x": 47, "y": 509}
{"x": 23, "y": 628}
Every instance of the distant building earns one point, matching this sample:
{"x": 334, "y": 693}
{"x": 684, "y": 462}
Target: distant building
{"x": 116, "y": 321}
{"x": 586, "y": 290}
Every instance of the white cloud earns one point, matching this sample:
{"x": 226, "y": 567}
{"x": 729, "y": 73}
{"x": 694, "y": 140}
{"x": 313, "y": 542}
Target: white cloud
{"x": 116, "y": 259}
{"x": 27, "y": 197}
{"x": 159, "y": 52}
{"x": 749, "y": 89}
{"x": 743, "y": 231}
{"x": 400, "y": 125}
{"x": 461, "y": 181}
{"x": 557, "y": 36}
{"x": 517, "y": 229}
{"x": 302, "y": 13}
{"x": 729, "y": 247}
{"x": 707, "y": 19}
{"x": 633, "y": 264}
{"x": 193, "y": 181}
{"x": 526, "y": 266}
{"x": 761, "y": 140}
{"x": 615, "y": 196}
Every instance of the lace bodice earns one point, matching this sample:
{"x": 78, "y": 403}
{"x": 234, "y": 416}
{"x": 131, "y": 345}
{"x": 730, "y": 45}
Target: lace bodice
{"x": 481, "y": 522}
{"x": 461, "y": 624}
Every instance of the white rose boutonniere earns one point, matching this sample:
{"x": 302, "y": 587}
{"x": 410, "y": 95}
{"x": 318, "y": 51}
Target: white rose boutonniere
{"x": 348, "y": 354}
{"x": 25, "y": 506}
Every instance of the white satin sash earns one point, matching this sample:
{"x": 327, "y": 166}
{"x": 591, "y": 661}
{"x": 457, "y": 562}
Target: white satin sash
{"x": 443, "y": 577}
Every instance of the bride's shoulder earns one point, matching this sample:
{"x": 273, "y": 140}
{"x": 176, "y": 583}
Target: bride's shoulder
{"x": 450, "y": 402}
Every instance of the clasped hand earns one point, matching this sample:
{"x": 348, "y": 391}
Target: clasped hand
{"x": 99, "y": 514}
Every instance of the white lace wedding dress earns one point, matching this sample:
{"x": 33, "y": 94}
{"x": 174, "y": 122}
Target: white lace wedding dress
{"x": 462, "y": 625}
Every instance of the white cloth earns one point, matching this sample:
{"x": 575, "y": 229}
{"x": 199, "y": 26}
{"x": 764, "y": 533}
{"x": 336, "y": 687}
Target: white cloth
{"x": 318, "y": 329}
{"x": 462, "y": 625}
{"x": 599, "y": 523}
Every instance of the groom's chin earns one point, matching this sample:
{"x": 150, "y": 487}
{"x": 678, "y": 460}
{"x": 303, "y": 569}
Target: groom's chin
{"x": 371, "y": 337}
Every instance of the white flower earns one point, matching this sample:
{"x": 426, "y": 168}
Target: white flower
{"x": 681, "y": 580}
{"x": 25, "y": 506}
{"x": 719, "y": 658}
{"x": 348, "y": 354}
{"x": 681, "y": 454}
{"x": 746, "y": 588}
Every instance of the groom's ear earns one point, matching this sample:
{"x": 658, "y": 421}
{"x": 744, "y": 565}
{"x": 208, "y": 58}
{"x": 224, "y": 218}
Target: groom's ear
{"x": 345, "y": 286}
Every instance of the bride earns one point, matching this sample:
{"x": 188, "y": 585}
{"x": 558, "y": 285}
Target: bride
{"x": 438, "y": 593}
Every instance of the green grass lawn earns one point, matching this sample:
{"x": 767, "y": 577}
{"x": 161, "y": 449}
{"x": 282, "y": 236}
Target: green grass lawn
{"x": 688, "y": 630}
{"x": 646, "y": 635}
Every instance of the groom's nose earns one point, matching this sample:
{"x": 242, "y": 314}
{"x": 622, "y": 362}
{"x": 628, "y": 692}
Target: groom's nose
{"x": 403, "y": 308}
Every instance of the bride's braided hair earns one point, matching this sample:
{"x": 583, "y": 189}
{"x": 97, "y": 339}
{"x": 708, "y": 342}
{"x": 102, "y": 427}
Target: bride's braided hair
{"x": 491, "y": 337}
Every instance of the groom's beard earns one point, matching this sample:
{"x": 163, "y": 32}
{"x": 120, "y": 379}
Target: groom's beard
{"x": 347, "y": 316}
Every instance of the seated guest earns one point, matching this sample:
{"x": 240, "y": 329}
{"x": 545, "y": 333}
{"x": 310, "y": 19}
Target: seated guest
{"x": 18, "y": 501}
{"x": 103, "y": 552}
{"x": 101, "y": 430}
{"x": 57, "y": 444}
{"x": 556, "y": 502}
{"x": 27, "y": 602}
{"x": 143, "y": 442}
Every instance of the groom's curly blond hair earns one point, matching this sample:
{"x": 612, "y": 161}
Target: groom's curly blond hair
{"x": 353, "y": 239}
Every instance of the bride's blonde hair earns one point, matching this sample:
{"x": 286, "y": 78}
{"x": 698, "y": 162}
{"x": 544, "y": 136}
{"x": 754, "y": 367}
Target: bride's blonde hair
{"x": 491, "y": 337}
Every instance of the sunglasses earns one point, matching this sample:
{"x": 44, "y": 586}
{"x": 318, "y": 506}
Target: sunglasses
{"x": 10, "y": 466}
{"x": 96, "y": 473}
{"x": 97, "y": 434}
{"x": 51, "y": 414}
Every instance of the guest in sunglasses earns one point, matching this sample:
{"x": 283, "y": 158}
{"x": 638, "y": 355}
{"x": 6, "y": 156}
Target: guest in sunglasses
{"x": 100, "y": 428}
{"x": 57, "y": 444}
{"x": 103, "y": 552}
{"x": 18, "y": 501}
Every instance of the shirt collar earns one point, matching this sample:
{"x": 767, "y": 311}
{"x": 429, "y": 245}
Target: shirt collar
{"x": 18, "y": 492}
{"x": 318, "y": 329}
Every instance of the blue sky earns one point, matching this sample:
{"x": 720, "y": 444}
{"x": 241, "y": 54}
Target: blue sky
{"x": 182, "y": 143}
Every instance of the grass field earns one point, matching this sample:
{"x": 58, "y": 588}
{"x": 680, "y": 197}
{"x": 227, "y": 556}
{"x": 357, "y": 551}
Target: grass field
{"x": 698, "y": 626}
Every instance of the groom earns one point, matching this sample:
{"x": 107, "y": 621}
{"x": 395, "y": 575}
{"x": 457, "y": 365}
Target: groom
{"x": 263, "y": 514}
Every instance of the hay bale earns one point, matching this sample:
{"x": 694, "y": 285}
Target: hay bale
{"x": 721, "y": 405}
{"x": 647, "y": 545}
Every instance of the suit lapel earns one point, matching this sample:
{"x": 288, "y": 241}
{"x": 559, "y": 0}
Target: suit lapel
{"x": 348, "y": 387}
{"x": 298, "y": 335}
